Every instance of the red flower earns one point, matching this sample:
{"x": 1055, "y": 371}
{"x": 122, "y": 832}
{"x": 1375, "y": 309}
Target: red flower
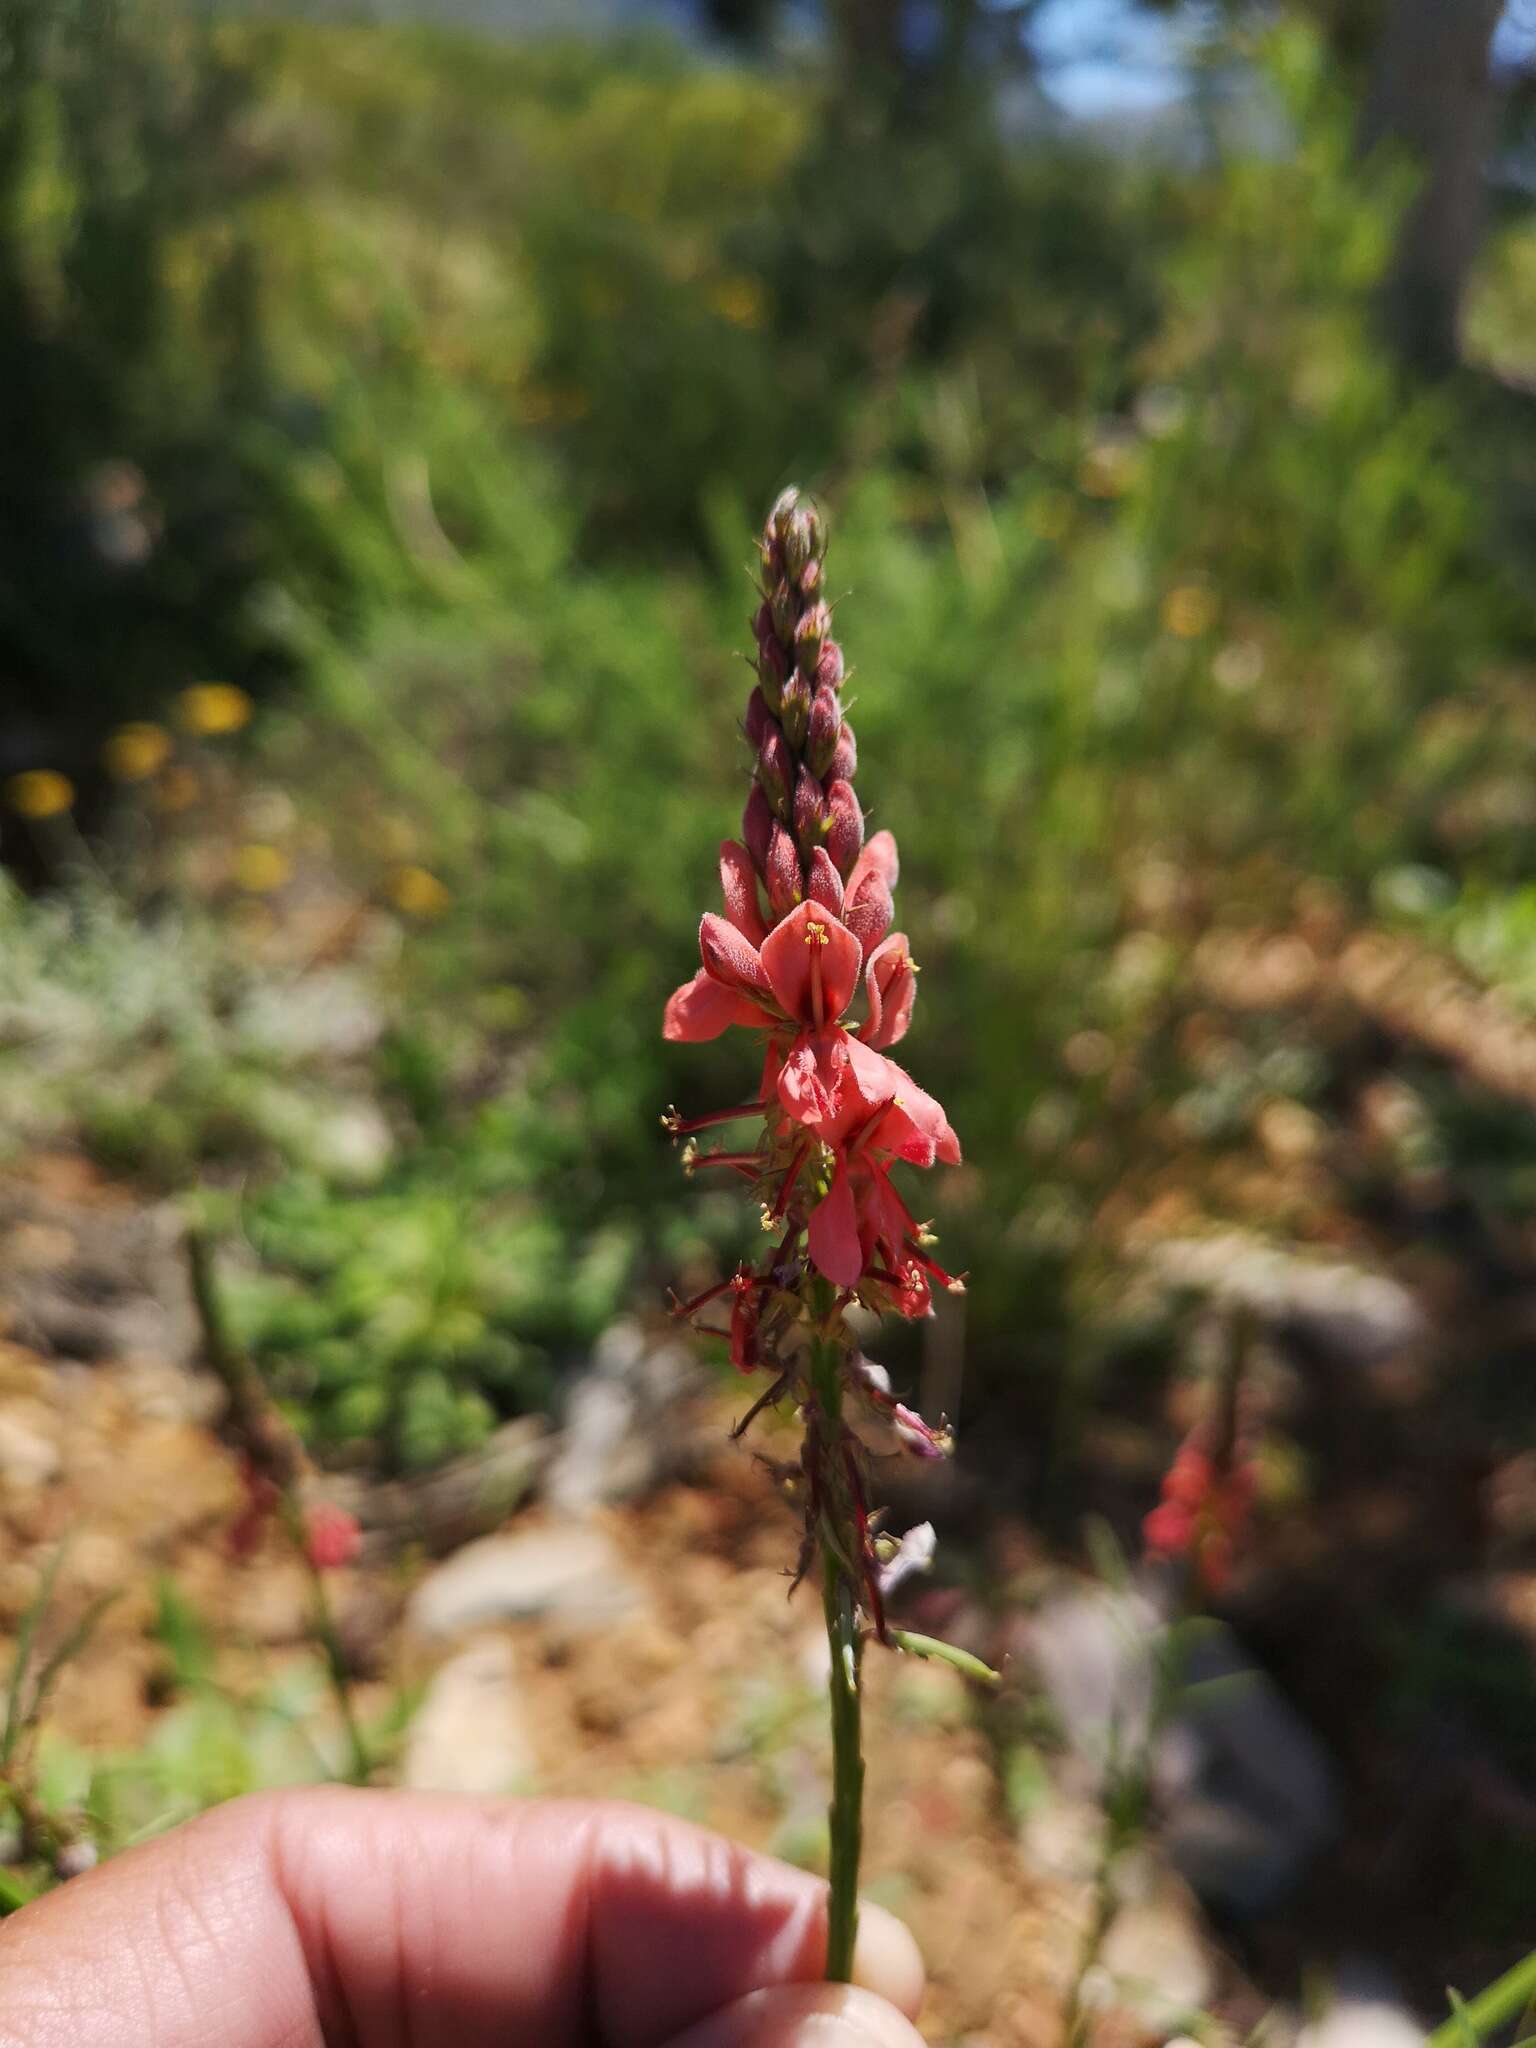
{"x": 332, "y": 1537}
{"x": 1202, "y": 1514}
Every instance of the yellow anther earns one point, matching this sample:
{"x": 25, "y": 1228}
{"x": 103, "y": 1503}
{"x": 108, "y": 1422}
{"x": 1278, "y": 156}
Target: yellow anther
{"x": 817, "y": 935}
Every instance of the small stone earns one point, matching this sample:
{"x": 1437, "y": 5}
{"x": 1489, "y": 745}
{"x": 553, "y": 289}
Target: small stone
{"x": 75, "y": 1859}
{"x": 623, "y": 1427}
{"x": 570, "y": 1573}
{"x": 1158, "y": 1961}
{"x": 1064, "y": 1838}
{"x": 27, "y": 1458}
{"x": 469, "y": 1734}
{"x": 1363, "y": 2023}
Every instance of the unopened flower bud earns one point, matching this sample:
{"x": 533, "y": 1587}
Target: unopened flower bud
{"x": 795, "y": 710}
{"x": 757, "y": 828}
{"x": 809, "y": 579}
{"x": 784, "y": 506}
{"x": 810, "y": 810}
{"x": 811, "y": 631}
{"x": 784, "y": 608}
{"x": 776, "y": 770}
{"x": 759, "y": 721}
{"x": 845, "y": 757}
{"x": 868, "y": 914}
{"x": 782, "y": 873}
{"x": 798, "y": 545}
{"x": 772, "y": 665}
{"x": 829, "y": 665}
{"x": 821, "y": 734}
{"x": 845, "y": 832}
{"x": 825, "y": 884}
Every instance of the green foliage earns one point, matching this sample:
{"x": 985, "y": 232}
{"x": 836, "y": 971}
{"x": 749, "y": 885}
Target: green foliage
{"x": 133, "y": 534}
{"x": 1170, "y": 599}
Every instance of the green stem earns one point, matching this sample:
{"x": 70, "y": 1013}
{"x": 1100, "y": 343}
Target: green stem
{"x": 846, "y": 1816}
{"x": 1502, "y": 2001}
{"x": 844, "y": 1648}
{"x": 341, "y": 1688}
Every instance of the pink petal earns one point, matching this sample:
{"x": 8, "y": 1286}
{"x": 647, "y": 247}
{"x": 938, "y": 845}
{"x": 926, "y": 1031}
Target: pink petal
{"x": 811, "y": 931}
{"x": 702, "y": 1008}
{"x": 833, "y": 1235}
{"x": 738, "y": 883}
{"x": 915, "y": 1127}
{"x": 890, "y": 985}
{"x": 731, "y": 957}
{"x": 810, "y": 1080}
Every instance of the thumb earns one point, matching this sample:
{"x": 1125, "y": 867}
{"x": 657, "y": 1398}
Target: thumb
{"x": 804, "y": 2016}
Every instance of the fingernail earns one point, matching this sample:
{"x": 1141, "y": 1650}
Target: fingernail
{"x": 886, "y": 1959}
{"x": 804, "y": 2016}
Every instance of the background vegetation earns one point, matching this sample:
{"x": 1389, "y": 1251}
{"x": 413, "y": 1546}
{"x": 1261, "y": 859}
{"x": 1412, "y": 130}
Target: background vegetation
{"x": 422, "y": 389}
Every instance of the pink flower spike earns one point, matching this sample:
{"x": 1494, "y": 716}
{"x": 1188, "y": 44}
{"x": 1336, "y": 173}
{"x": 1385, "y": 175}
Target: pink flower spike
{"x": 812, "y": 951}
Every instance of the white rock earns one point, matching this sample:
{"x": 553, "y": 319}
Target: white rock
{"x": 622, "y": 1430}
{"x": 572, "y": 1573}
{"x": 27, "y": 1458}
{"x": 1363, "y": 2023}
{"x": 1350, "y": 1311}
{"x": 1246, "y": 1794}
{"x": 1158, "y": 1961}
{"x": 469, "y": 1735}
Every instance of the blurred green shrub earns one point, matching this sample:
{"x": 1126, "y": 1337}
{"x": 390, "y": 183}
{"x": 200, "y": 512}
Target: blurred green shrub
{"x": 1174, "y": 604}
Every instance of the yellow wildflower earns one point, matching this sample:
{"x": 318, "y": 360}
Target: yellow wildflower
{"x": 40, "y": 793}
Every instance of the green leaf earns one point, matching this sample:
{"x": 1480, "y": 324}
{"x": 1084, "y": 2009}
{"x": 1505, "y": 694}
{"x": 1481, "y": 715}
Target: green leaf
{"x": 17, "y": 1716}
{"x": 944, "y": 1653}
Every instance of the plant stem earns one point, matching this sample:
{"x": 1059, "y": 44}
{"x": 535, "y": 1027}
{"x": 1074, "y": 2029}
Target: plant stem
{"x": 324, "y": 1623}
{"x": 846, "y": 1815}
{"x": 1479, "y": 2016}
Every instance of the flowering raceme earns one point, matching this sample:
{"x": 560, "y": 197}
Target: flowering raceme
{"x": 837, "y": 1111}
{"x": 802, "y": 955}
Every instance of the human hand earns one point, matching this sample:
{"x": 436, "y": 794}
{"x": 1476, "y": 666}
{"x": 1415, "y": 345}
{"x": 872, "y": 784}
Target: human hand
{"x": 339, "y": 1919}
